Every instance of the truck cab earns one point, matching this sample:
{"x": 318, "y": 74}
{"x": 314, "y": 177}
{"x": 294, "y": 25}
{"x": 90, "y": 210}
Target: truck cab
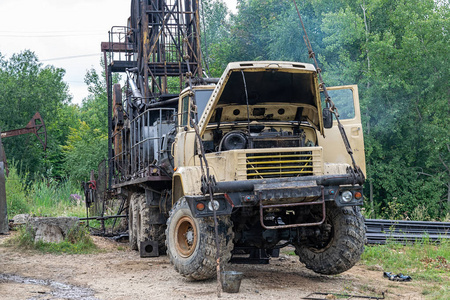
{"x": 278, "y": 176}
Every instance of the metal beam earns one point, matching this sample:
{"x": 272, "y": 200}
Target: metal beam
{"x": 36, "y": 126}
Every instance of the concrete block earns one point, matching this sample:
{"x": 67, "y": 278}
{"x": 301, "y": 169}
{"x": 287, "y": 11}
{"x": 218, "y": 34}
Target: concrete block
{"x": 48, "y": 233}
{"x": 51, "y": 230}
{"x": 65, "y": 223}
{"x": 21, "y": 219}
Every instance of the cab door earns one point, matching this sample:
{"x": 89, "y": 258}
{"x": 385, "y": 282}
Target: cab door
{"x": 346, "y": 99}
{"x": 183, "y": 146}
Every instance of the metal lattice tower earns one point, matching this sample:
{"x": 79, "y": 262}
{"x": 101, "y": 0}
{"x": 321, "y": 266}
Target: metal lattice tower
{"x": 161, "y": 41}
{"x": 159, "y": 49}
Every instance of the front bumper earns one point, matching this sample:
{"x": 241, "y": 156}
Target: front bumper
{"x": 280, "y": 191}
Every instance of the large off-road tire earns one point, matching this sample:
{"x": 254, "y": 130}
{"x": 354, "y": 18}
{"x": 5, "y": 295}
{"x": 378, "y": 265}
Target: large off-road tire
{"x": 139, "y": 227}
{"x": 344, "y": 246}
{"x": 157, "y": 232}
{"x": 191, "y": 242}
{"x": 133, "y": 212}
{"x": 143, "y": 221}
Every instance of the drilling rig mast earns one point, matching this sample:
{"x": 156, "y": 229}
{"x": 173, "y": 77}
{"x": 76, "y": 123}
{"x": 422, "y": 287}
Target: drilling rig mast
{"x": 161, "y": 41}
{"x": 159, "y": 51}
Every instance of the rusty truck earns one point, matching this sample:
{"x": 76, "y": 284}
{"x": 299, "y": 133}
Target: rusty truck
{"x": 258, "y": 148}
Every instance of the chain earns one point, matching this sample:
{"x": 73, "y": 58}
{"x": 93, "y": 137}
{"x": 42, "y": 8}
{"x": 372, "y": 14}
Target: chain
{"x": 208, "y": 181}
{"x": 329, "y": 103}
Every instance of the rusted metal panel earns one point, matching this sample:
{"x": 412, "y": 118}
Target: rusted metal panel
{"x": 117, "y": 47}
{"x": 36, "y": 125}
{"x": 143, "y": 180}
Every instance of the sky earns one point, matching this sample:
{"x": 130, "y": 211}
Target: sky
{"x": 63, "y": 33}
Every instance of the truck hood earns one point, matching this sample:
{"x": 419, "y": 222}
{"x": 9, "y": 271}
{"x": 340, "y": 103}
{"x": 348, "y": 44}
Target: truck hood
{"x": 268, "y": 83}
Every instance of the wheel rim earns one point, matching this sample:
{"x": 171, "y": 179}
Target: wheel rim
{"x": 185, "y": 236}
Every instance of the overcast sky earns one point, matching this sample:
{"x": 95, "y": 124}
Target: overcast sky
{"x": 63, "y": 33}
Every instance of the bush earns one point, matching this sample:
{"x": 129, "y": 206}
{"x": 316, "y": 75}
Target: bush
{"x": 50, "y": 197}
{"x": 16, "y": 196}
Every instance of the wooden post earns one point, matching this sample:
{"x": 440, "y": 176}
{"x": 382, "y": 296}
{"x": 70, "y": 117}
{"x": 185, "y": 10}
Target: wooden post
{"x": 4, "y": 228}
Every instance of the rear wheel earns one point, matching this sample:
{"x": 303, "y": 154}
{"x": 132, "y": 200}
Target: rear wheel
{"x": 157, "y": 232}
{"x": 133, "y": 212}
{"x": 191, "y": 242}
{"x": 140, "y": 228}
{"x": 341, "y": 248}
{"x": 143, "y": 221}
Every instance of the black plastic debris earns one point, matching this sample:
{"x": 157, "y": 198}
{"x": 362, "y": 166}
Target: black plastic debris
{"x": 397, "y": 277}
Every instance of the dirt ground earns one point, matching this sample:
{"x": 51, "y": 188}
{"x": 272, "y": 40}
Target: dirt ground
{"x": 119, "y": 273}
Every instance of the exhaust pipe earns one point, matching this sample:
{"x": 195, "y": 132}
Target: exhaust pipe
{"x": 134, "y": 90}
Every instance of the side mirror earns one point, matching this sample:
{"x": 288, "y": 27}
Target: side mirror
{"x": 327, "y": 118}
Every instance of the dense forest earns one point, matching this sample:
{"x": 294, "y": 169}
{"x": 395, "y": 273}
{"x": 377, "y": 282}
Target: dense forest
{"x": 397, "y": 51}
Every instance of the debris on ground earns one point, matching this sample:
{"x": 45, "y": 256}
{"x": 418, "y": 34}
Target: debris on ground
{"x": 331, "y": 296}
{"x": 397, "y": 277}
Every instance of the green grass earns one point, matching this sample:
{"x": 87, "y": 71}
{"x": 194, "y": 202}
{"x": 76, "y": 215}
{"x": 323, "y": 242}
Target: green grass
{"x": 425, "y": 261}
{"x": 52, "y": 198}
{"x": 43, "y": 197}
{"x": 77, "y": 241}
{"x": 16, "y": 194}
{"x": 46, "y": 197}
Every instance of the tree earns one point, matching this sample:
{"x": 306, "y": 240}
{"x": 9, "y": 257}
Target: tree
{"x": 408, "y": 104}
{"x": 26, "y": 87}
{"x": 215, "y": 23}
{"x": 86, "y": 148}
{"x": 87, "y": 143}
{"x": 397, "y": 52}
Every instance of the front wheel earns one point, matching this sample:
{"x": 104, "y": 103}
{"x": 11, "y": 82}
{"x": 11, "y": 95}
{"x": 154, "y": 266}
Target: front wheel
{"x": 191, "y": 242}
{"x": 341, "y": 248}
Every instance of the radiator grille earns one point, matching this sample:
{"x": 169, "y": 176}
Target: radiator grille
{"x": 281, "y": 164}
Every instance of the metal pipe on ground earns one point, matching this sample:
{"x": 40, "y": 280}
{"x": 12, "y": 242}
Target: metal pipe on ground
{"x": 102, "y": 218}
{"x": 380, "y": 231}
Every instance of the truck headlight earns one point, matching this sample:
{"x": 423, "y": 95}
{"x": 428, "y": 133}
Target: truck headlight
{"x": 213, "y": 205}
{"x": 347, "y": 196}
